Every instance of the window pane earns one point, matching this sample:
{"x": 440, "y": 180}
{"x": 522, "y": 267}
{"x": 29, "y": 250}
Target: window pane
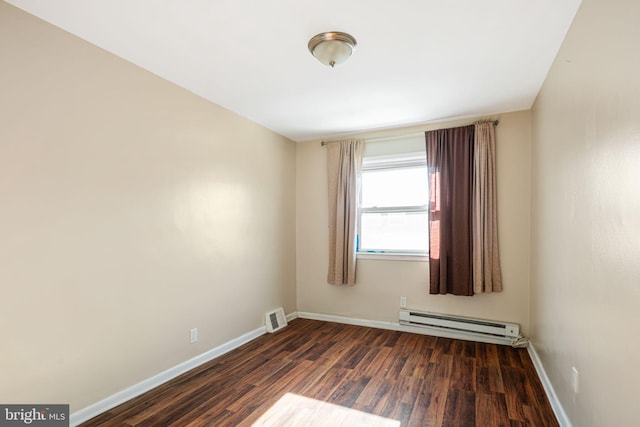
{"x": 395, "y": 187}
{"x": 394, "y": 231}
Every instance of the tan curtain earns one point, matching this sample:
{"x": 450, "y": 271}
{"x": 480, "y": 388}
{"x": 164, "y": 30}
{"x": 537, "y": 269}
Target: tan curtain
{"x": 450, "y": 163}
{"x": 486, "y": 259}
{"x": 344, "y": 162}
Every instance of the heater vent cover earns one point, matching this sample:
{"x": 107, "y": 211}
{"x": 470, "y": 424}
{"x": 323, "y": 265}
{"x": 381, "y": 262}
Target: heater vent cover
{"x": 275, "y": 320}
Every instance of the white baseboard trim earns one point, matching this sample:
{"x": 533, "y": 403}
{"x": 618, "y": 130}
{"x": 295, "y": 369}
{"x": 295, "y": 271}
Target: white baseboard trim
{"x": 114, "y": 400}
{"x": 349, "y": 320}
{"x": 119, "y": 398}
{"x": 558, "y": 410}
{"x": 393, "y": 326}
{"x": 561, "y": 415}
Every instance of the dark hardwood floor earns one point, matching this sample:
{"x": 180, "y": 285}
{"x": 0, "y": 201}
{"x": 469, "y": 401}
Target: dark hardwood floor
{"x": 329, "y": 374}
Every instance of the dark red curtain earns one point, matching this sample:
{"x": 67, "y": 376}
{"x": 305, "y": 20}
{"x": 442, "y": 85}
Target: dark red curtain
{"x": 450, "y": 162}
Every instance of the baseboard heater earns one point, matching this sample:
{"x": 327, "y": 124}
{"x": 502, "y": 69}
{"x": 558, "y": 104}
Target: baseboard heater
{"x": 507, "y": 333}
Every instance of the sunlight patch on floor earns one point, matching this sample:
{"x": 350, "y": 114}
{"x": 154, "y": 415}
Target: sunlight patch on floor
{"x": 294, "y": 410}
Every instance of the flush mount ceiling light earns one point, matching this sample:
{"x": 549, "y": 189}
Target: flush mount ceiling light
{"x": 332, "y": 47}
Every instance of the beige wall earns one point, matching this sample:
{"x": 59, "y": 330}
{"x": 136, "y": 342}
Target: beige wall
{"x": 130, "y": 211}
{"x": 380, "y": 283}
{"x": 585, "y": 299}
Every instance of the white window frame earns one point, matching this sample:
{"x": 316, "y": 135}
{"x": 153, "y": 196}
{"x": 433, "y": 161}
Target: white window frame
{"x": 389, "y": 162}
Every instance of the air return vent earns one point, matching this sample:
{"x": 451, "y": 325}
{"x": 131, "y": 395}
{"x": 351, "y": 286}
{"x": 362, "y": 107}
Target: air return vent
{"x": 275, "y": 320}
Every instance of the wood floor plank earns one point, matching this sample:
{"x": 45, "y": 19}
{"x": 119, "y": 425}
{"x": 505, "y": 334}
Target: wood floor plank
{"x": 463, "y": 373}
{"x": 437, "y": 381}
{"x": 442, "y": 367}
{"x": 316, "y": 350}
{"x": 508, "y": 356}
{"x": 491, "y": 408}
{"x": 448, "y": 345}
{"x": 515, "y": 392}
{"x": 397, "y": 365}
{"x": 348, "y": 372}
{"x": 278, "y": 383}
{"x": 377, "y": 361}
{"x": 468, "y": 349}
{"x": 348, "y": 392}
{"x": 426, "y": 409}
{"x": 351, "y": 358}
{"x": 489, "y": 379}
{"x": 208, "y": 408}
{"x": 487, "y": 355}
{"x": 327, "y": 384}
{"x": 408, "y": 389}
{"x": 460, "y": 410}
{"x": 378, "y": 386}
{"x": 387, "y": 407}
{"x": 416, "y": 364}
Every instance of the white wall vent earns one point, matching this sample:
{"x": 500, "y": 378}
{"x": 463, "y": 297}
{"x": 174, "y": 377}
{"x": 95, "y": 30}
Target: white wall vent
{"x": 489, "y": 328}
{"x": 275, "y": 320}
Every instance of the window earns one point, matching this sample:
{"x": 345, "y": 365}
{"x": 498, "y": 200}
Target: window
{"x": 393, "y": 206}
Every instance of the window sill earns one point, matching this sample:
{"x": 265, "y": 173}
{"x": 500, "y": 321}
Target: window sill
{"x": 392, "y": 257}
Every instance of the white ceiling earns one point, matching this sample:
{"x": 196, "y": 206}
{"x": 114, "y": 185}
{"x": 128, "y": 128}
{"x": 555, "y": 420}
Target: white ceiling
{"x": 417, "y": 61}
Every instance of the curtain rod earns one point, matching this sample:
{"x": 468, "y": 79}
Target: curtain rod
{"x": 323, "y": 143}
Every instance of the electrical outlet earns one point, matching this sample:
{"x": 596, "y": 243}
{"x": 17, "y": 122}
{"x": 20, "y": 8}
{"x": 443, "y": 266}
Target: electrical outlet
{"x": 403, "y": 302}
{"x": 575, "y": 379}
{"x": 194, "y": 335}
